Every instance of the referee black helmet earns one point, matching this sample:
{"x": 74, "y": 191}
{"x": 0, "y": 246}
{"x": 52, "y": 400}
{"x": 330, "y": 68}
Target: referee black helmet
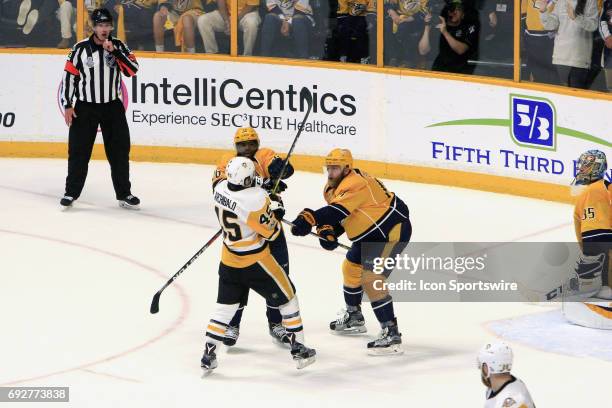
{"x": 101, "y": 15}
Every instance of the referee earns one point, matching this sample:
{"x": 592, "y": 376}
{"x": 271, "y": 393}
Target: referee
{"x": 92, "y": 79}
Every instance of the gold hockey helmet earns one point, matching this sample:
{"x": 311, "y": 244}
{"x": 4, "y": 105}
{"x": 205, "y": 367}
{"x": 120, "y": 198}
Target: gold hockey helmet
{"x": 245, "y": 134}
{"x": 339, "y": 157}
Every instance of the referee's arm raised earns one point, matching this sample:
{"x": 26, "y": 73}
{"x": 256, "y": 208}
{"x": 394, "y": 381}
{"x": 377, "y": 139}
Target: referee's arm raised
{"x": 126, "y": 60}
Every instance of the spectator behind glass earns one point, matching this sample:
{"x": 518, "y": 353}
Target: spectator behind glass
{"x": 574, "y": 21}
{"x": 605, "y": 29}
{"x": 180, "y": 16}
{"x": 497, "y": 41}
{"x": 219, "y": 21}
{"x": 134, "y": 21}
{"x": 355, "y": 36}
{"x": 290, "y": 19}
{"x": 38, "y": 22}
{"x": 404, "y": 23}
{"x": 537, "y": 44}
{"x": 458, "y": 39}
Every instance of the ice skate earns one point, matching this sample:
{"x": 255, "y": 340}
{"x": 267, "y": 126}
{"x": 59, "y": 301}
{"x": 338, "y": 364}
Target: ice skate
{"x": 389, "y": 342}
{"x": 209, "y": 359}
{"x": 349, "y": 321}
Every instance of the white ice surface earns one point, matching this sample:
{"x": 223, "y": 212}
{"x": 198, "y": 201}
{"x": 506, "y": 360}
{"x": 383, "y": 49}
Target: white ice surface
{"x": 75, "y": 291}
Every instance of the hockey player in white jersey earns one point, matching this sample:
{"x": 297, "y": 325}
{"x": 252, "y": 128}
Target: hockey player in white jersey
{"x": 250, "y": 221}
{"x": 503, "y": 389}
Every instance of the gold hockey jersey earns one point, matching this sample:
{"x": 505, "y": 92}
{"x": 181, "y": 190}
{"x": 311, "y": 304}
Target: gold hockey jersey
{"x": 263, "y": 158}
{"x": 364, "y": 198}
{"x": 356, "y": 7}
{"x": 593, "y": 213}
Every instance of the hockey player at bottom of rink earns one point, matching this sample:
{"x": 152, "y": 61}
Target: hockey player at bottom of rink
{"x": 503, "y": 389}
{"x": 249, "y": 223}
{"x": 361, "y": 206}
{"x": 268, "y": 166}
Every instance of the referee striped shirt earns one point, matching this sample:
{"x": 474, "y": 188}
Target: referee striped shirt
{"x": 92, "y": 74}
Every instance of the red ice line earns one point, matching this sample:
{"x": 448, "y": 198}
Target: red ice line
{"x": 180, "y": 319}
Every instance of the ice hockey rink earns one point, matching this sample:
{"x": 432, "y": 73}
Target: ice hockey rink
{"x": 77, "y": 285}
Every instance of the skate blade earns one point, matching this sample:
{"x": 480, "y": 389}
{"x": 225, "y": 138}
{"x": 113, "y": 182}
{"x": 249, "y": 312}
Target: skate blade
{"x": 64, "y": 208}
{"x": 394, "y": 350}
{"x": 350, "y": 332}
{"x": 127, "y": 206}
{"x": 305, "y": 362}
{"x": 208, "y": 371}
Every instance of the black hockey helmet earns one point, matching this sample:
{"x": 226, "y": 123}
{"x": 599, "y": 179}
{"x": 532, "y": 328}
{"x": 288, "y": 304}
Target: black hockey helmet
{"x": 101, "y": 15}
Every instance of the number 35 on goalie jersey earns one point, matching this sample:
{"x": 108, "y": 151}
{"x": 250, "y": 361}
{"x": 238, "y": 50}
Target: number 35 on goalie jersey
{"x": 247, "y": 222}
{"x": 593, "y": 213}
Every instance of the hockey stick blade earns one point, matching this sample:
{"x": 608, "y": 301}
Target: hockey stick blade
{"x": 155, "y": 303}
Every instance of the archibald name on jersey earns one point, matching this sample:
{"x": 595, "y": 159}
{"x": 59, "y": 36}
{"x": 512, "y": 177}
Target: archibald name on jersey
{"x": 224, "y": 201}
{"x": 319, "y": 126}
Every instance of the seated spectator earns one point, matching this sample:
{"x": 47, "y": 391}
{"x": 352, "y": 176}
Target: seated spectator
{"x": 404, "y": 23}
{"x": 35, "y": 22}
{"x": 290, "y": 19}
{"x": 134, "y": 20}
{"x": 458, "y": 39}
{"x": 574, "y": 40}
{"x": 218, "y": 21}
{"x": 181, "y": 16}
{"x": 356, "y": 31}
{"x": 605, "y": 29}
{"x": 66, "y": 14}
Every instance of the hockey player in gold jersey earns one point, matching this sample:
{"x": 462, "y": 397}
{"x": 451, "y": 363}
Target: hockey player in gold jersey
{"x": 593, "y": 222}
{"x": 250, "y": 222}
{"x": 361, "y": 206}
{"x": 503, "y": 389}
{"x": 268, "y": 166}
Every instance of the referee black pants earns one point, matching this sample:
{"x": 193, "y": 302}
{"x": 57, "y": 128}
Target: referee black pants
{"x": 81, "y": 137}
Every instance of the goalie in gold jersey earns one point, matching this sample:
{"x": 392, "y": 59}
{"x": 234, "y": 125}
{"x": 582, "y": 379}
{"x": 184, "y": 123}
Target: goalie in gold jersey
{"x": 268, "y": 166}
{"x": 361, "y": 206}
{"x": 593, "y": 222}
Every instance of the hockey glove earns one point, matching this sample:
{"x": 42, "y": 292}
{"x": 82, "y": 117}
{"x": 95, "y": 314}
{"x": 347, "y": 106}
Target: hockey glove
{"x": 268, "y": 184}
{"x": 329, "y": 239}
{"x": 277, "y": 207}
{"x": 275, "y": 167}
{"x": 304, "y": 222}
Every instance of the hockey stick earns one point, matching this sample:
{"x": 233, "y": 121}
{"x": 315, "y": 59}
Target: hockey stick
{"x": 304, "y": 95}
{"x": 155, "y": 301}
{"x": 341, "y": 245}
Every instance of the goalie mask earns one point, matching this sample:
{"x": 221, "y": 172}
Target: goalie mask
{"x": 592, "y": 166}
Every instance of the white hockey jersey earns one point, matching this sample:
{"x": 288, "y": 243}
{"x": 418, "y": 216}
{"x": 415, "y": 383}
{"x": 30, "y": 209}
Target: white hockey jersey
{"x": 513, "y": 394}
{"x": 247, "y": 222}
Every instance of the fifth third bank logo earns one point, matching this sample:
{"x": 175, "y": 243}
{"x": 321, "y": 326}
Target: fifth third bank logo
{"x": 533, "y": 122}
